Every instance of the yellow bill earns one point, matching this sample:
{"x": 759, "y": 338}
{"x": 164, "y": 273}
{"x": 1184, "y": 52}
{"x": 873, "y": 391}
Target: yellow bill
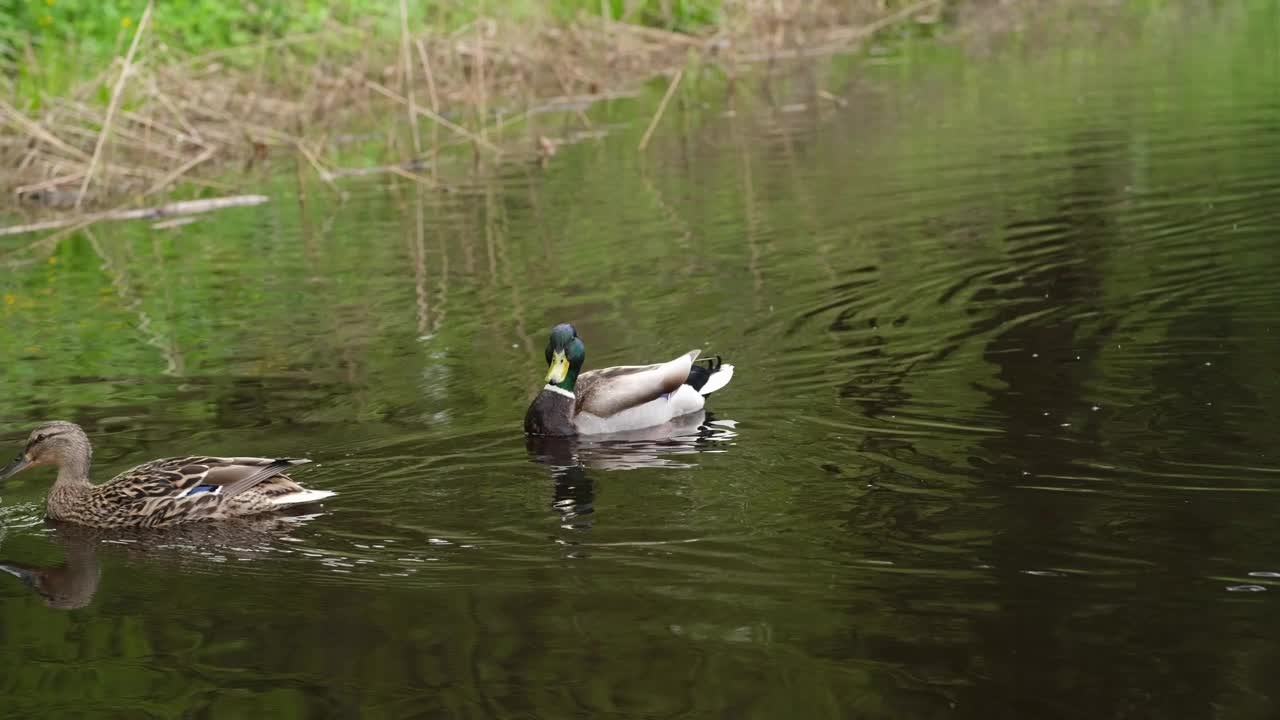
{"x": 559, "y": 368}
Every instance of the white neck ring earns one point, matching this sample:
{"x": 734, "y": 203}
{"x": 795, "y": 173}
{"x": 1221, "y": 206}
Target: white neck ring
{"x": 559, "y": 390}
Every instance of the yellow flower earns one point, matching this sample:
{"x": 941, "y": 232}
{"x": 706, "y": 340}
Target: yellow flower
{"x": 46, "y": 20}
{"x": 10, "y": 298}
{"x": 53, "y": 261}
{"x": 50, "y": 2}
{"x": 126, "y": 21}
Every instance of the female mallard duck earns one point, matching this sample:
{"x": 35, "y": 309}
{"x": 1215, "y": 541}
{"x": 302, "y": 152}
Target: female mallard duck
{"x": 159, "y": 493}
{"x": 617, "y": 399}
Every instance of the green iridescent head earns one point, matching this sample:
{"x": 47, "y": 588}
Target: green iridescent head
{"x": 565, "y": 355}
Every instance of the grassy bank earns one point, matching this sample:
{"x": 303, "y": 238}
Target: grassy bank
{"x": 128, "y": 101}
{"x": 47, "y": 45}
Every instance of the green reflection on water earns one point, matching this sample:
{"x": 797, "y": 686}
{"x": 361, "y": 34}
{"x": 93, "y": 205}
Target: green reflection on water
{"x": 1003, "y": 411}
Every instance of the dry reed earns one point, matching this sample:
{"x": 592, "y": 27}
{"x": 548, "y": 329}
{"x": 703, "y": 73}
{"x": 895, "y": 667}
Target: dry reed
{"x": 176, "y": 118}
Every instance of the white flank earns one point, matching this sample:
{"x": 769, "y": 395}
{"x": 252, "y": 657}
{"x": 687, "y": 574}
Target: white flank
{"x": 718, "y": 379}
{"x": 302, "y": 498}
{"x": 683, "y": 401}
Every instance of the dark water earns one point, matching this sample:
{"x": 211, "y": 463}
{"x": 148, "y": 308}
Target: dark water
{"x": 1001, "y": 442}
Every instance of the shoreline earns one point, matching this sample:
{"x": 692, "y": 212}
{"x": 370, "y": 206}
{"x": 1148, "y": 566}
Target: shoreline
{"x": 338, "y": 105}
{"x": 176, "y": 121}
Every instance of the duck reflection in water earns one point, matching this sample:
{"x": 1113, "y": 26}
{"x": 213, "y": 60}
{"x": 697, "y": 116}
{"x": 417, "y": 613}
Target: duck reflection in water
{"x": 73, "y": 583}
{"x": 67, "y": 586}
{"x": 671, "y": 445}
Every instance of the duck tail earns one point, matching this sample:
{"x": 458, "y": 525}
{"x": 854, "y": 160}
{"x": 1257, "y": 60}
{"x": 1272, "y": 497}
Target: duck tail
{"x": 709, "y": 375}
{"x": 301, "y": 497}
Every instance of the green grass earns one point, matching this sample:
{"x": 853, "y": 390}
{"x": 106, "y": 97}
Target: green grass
{"x": 47, "y": 46}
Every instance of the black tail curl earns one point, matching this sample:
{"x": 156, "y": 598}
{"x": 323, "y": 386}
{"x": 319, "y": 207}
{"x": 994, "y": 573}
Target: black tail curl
{"x": 699, "y": 374}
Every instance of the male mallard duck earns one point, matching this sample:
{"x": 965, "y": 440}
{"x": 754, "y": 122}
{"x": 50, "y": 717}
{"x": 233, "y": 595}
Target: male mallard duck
{"x": 617, "y": 399}
{"x": 159, "y": 493}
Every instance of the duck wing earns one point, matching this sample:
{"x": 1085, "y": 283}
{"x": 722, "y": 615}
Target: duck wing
{"x": 180, "y": 477}
{"x": 609, "y": 391}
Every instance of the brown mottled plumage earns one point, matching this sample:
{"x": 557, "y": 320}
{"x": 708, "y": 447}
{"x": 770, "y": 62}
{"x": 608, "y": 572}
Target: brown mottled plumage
{"x": 159, "y": 493}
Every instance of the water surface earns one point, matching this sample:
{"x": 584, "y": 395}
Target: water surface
{"x": 1000, "y": 443}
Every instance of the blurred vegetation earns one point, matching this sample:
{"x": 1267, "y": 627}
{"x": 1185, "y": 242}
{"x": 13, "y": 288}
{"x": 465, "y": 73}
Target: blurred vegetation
{"x": 57, "y": 41}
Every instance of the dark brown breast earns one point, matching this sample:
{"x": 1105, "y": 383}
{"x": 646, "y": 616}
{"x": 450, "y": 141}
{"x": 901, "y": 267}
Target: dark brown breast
{"x": 550, "y": 414}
